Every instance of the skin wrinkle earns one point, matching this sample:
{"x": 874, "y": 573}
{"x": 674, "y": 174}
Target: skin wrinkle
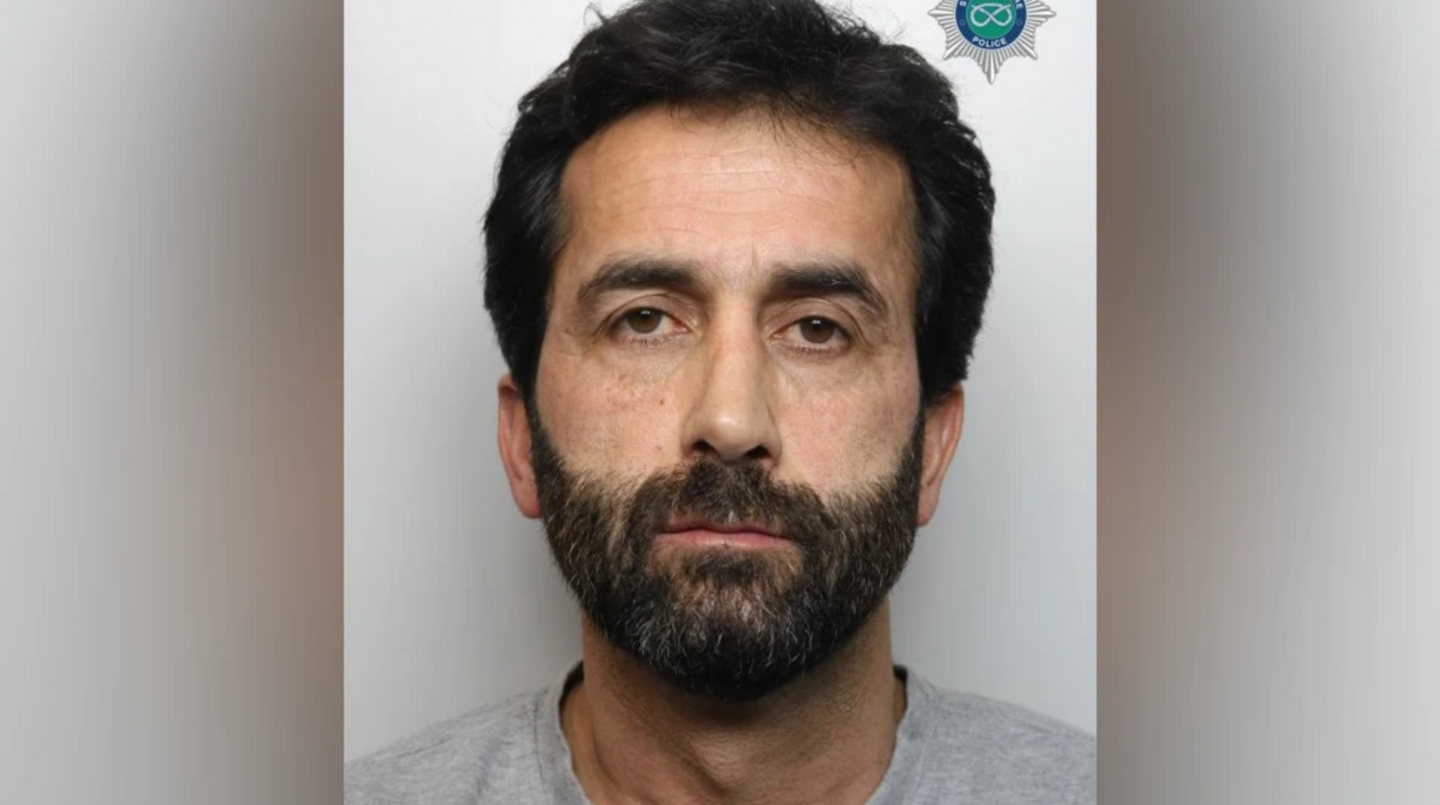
{"x": 844, "y": 452}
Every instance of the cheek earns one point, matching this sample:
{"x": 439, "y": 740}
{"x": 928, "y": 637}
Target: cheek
{"x": 615, "y": 422}
{"x": 840, "y": 436}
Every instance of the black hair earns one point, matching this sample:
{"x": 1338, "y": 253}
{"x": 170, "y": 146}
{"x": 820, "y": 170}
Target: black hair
{"x": 795, "y": 59}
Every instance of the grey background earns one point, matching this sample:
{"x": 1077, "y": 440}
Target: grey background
{"x": 450, "y": 598}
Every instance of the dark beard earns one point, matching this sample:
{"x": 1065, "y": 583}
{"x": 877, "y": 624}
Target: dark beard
{"x": 729, "y": 624}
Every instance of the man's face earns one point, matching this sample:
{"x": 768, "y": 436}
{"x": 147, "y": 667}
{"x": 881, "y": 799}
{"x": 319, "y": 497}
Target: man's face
{"x": 727, "y": 443}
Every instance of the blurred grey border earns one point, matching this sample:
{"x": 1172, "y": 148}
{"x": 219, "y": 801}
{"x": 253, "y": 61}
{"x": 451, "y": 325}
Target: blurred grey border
{"x": 170, "y": 337}
{"x": 171, "y": 416}
{"x": 1268, "y": 530}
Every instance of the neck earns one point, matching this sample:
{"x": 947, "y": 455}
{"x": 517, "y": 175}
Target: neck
{"x": 825, "y": 737}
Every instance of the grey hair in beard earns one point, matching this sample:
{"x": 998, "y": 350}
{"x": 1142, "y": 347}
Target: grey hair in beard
{"x": 728, "y": 624}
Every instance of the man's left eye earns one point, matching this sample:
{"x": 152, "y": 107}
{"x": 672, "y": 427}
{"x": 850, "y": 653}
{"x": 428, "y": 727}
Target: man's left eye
{"x": 643, "y": 320}
{"x": 819, "y": 331}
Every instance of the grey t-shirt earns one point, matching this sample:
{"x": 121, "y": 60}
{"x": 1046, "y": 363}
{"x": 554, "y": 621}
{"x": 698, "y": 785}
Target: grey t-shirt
{"x": 950, "y": 748}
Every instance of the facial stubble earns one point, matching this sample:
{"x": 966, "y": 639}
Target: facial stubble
{"x": 727, "y": 623}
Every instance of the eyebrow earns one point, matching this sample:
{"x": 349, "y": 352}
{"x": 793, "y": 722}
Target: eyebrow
{"x": 829, "y": 279}
{"x": 630, "y": 273}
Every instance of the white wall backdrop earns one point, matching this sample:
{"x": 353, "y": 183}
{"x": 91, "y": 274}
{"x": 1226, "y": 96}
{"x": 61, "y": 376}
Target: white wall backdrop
{"x": 450, "y": 599}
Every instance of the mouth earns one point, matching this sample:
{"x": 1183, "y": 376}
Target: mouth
{"x": 743, "y": 534}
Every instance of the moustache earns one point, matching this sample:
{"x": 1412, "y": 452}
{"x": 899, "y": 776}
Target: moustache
{"x": 721, "y": 493}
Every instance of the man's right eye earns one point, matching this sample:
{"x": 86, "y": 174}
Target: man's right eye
{"x": 643, "y": 320}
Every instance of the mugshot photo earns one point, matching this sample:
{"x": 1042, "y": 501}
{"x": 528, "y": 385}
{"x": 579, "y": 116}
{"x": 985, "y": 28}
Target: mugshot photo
{"x": 720, "y": 402}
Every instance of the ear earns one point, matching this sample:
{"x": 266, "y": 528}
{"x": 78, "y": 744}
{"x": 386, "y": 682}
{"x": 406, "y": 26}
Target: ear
{"x": 943, "y": 421}
{"x": 514, "y": 433}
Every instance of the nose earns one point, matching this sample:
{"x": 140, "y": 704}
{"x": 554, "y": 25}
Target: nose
{"x": 730, "y": 417}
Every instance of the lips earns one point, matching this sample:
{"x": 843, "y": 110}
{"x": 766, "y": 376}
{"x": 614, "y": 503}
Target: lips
{"x": 740, "y": 527}
{"x": 740, "y": 534}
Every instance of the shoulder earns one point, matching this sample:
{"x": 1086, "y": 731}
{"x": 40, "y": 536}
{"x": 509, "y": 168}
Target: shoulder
{"x": 491, "y": 749}
{"x": 1006, "y": 753}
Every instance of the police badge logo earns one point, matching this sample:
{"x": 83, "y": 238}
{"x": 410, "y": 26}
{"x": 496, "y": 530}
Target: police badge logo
{"x": 990, "y": 31}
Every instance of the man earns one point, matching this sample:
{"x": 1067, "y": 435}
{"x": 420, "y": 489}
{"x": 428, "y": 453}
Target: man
{"x": 736, "y": 260}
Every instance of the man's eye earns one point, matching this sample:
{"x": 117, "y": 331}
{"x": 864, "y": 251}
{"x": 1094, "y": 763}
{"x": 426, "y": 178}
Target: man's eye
{"x": 643, "y": 320}
{"x": 817, "y": 330}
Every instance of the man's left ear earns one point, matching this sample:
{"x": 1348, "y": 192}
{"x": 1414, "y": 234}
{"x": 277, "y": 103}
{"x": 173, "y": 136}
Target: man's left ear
{"x": 943, "y": 420}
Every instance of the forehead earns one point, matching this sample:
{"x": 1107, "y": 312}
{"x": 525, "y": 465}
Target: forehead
{"x": 734, "y": 193}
